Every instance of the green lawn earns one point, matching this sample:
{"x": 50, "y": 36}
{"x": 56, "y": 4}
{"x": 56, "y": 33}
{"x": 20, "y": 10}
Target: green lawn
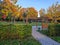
{"x": 28, "y": 41}
{"x": 45, "y": 32}
{"x": 21, "y": 23}
{"x": 56, "y": 38}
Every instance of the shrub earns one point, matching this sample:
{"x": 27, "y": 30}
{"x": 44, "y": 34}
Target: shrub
{"x": 57, "y": 28}
{"x": 45, "y": 32}
{"x": 54, "y": 29}
{"x": 15, "y": 31}
{"x": 51, "y": 29}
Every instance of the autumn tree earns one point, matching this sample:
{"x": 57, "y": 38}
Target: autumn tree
{"x": 29, "y": 13}
{"x": 53, "y": 12}
{"x": 25, "y": 15}
{"x": 9, "y": 8}
{"x": 32, "y": 13}
{"x": 42, "y": 14}
{"x": 0, "y": 10}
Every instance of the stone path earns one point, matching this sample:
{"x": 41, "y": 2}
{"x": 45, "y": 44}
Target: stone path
{"x": 44, "y": 40}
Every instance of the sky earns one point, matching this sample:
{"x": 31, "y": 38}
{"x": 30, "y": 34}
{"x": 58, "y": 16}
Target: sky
{"x": 37, "y": 4}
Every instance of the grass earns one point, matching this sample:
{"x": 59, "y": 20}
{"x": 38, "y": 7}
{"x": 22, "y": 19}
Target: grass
{"x": 28, "y": 41}
{"x": 34, "y": 23}
{"x": 31, "y": 41}
{"x": 21, "y": 23}
{"x": 9, "y": 42}
{"x": 45, "y": 32}
{"x": 57, "y": 38}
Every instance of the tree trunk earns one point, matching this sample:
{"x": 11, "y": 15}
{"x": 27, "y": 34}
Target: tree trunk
{"x": 14, "y": 19}
{"x": 26, "y": 20}
{"x": 23, "y": 20}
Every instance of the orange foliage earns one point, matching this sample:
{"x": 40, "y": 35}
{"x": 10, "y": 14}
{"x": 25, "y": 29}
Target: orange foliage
{"x": 32, "y": 13}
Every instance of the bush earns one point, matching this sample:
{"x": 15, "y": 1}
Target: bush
{"x": 45, "y": 32}
{"x": 57, "y": 28}
{"x": 12, "y": 31}
{"x": 51, "y": 29}
{"x": 54, "y": 29}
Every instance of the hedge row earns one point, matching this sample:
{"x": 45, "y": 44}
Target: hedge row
{"x": 12, "y": 31}
{"x": 54, "y": 29}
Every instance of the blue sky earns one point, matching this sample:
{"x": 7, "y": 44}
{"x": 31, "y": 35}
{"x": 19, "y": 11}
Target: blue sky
{"x": 37, "y": 4}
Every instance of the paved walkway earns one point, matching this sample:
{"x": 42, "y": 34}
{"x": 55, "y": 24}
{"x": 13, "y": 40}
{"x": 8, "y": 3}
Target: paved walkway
{"x": 44, "y": 40}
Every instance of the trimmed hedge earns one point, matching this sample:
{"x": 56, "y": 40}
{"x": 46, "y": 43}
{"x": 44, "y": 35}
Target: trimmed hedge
{"x": 12, "y": 31}
{"x": 45, "y": 32}
{"x": 51, "y": 29}
{"x": 57, "y": 28}
{"x": 54, "y": 29}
